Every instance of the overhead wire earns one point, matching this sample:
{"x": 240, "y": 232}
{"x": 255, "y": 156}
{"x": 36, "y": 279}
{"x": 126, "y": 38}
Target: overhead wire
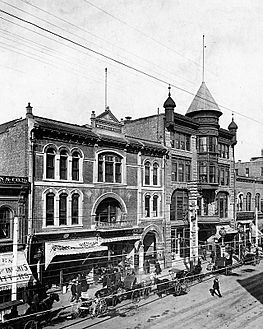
{"x": 98, "y": 37}
{"x": 121, "y": 63}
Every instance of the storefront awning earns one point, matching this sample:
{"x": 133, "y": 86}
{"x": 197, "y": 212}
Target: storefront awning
{"x": 254, "y": 230}
{"x": 217, "y": 236}
{"x": 72, "y": 247}
{"x": 24, "y": 273}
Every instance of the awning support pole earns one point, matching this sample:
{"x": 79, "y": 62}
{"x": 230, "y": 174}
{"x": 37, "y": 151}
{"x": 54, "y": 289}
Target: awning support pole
{"x": 14, "y": 262}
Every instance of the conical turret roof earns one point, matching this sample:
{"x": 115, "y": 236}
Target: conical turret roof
{"x": 203, "y": 101}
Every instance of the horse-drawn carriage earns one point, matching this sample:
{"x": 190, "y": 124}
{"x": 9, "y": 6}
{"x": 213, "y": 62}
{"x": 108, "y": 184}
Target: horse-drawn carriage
{"x": 33, "y": 318}
{"x": 179, "y": 281}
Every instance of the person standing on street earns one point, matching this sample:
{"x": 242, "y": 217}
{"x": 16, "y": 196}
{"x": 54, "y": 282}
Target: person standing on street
{"x": 216, "y": 288}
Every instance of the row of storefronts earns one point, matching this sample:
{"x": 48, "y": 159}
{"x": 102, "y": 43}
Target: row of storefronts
{"x": 117, "y": 192}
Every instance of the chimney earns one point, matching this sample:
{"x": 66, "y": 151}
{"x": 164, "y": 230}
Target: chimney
{"x": 29, "y": 113}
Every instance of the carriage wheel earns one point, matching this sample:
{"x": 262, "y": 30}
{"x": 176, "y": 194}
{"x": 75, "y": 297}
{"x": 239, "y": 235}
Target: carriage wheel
{"x": 135, "y": 297}
{"x": 186, "y": 286}
{"x": 31, "y": 324}
{"x": 114, "y": 301}
{"x": 103, "y": 307}
{"x": 178, "y": 289}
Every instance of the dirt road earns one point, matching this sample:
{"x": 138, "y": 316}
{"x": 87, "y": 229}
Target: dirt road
{"x": 240, "y": 307}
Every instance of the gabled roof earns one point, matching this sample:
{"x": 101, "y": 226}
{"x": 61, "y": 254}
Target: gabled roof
{"x": 107, "y": 115}
{"x": 203, "y": 101}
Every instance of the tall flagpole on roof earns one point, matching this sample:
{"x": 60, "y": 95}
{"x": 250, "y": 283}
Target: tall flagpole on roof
{"x": 203, "y": 73}
{"x": 106, "y": 91}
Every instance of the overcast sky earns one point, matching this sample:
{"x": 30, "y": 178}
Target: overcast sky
{"x": 162, "y": 38}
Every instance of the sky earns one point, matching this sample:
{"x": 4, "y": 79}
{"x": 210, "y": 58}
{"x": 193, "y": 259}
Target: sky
{"x": 145, "y": 46}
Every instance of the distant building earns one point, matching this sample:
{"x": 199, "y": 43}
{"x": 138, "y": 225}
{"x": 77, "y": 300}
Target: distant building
{"x": 249, "y": 195}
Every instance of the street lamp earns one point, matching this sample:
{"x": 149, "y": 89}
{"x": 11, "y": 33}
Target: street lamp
{"x": 222, "y": 233}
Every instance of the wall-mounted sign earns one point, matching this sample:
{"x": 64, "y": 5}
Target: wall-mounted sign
{"x": 13, "y": 180}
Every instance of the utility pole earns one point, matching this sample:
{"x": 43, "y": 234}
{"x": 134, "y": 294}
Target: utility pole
{"x": 14, "y": 262}
{"x": 256, "y": 224}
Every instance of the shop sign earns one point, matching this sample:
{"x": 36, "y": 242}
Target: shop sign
{"x": 71, "y": 247}
{"x": 120, "y": 238}
{"x": 13, "y": 180}
{"x": 23, "y": 271}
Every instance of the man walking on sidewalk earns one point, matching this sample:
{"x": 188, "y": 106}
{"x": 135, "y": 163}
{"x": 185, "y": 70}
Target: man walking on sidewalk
{"x": 216, "y": 289}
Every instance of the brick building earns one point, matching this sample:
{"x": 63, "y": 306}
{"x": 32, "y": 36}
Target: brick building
{"x": 199, "y": 172}
{"x": 96, "y": 195}
{"x": 249, "y": 196}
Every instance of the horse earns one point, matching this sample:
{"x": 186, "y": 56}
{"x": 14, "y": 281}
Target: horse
{"x": 44, "y": 305}
{"x": 164, "y": 286}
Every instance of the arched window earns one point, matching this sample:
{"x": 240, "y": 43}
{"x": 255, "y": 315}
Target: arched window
{"x": 147, "y": 170}
{"x": 147, "y": 205}
{"x": 50, "y": 163}
{"x": 75, "y": 209}
{"x": 248, "y": 202}
{"x": 155, "y": 173}
{"x": 109, "y": 168}
{"x": 108, "y": 211}
{"x": 63, "y": 165}
{"x": 75, "y": 165}
{"x": 5, "y": 223}
{"x": 155, "y": 205}
{"x": 222, "y": 199}
{"x": 50, "y": 209}
{"x": 63, "y": 209}
{"x": 240, "y": 202}
{"x": 257, "y": 201}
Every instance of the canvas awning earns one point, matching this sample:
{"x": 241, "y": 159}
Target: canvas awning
{"x": 254, "y": 230}
{"x": 24, "y": 273}
{"x": 71, "y": 247}
{"x": 228, "y": 230}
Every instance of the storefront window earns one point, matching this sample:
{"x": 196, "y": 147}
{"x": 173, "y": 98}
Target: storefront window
{"x": 5, "y": 223}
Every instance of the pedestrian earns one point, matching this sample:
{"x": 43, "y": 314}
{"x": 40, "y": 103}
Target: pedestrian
{"x": 204, "y": 253}
{"x": 212, "y": 255}
{"x": 216, "y": 289}
{"x": 73, "y": 290}
{"x": 147, "y": 266}
{"x": 157, "y": 267}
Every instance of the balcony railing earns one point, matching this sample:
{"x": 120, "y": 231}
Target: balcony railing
{"x": 120, "y": 224}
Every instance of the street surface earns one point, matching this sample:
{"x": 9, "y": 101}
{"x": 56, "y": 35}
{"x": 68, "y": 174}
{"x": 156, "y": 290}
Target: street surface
{"x": 240, "y": 307}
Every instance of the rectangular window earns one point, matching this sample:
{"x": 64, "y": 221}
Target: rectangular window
{"x": 227, "y": 151}
{"x": 227, "y": 176}
{"x": 118, "y": 172}
{"x": 177, "y": 140}
{"x": 203, "y": 172}
{"x": 182, "y": 141}
{"x": 108, "y": 170}
{"x": 187, "y": 172}
{"x": 236, "y": 170}
{"x": 174, "y": 171}
{"x": 188, "y": 143}
{"x": 181, "y": 172}
{"x": 212, "y": 174}
{"x": 261, "y": 174}
{"x": 247, "y": 172}
{"x": 202, "y": 144}
{"x": 222, "y": 176}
